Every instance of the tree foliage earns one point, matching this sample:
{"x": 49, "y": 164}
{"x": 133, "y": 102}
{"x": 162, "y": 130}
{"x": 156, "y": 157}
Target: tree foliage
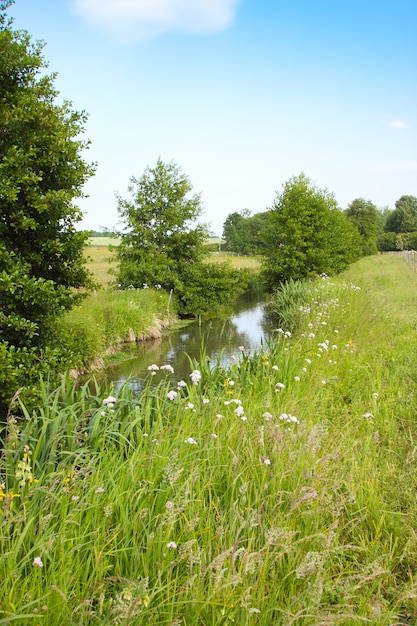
{"x": 161, "y": 239}
{"x": 163, "y": 245}
{"x": 243, "y": 232}
{"x": 307, "y": 234}
{"x": 404, "y": 217}
{"x": 42, "y": 266}
{"x": 364, "y": 215}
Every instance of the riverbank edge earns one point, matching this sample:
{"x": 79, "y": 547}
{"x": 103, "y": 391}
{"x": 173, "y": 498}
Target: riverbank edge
{"x": 160, "y": 328}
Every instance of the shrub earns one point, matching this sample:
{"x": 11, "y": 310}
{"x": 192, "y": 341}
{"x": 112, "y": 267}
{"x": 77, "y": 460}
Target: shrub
{"x": 209, "y": 287}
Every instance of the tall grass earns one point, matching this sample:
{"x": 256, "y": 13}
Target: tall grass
{"x": 108, "y": 318}
{"x": 279, "y": 491}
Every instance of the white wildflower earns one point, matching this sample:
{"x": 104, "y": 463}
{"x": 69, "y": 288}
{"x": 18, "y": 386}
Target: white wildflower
{"x": 239, "y": 411}
{"x": 37, "y": 561}
{"x": 172, "y": 545}
{"x": 290, "y": 419}
{"x": 191, "y": 441}
{"x": 109, "y": 401}
{"x": 195, "y": 376}
{"x": 171, "y": 395}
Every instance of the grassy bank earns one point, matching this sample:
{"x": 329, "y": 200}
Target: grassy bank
{"x": 281, "y": 491}
{"x": 106, "y": 319}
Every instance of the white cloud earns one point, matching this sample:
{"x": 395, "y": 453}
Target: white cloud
{"x": 144, "y": 18}
{"x": 397, "y": 124}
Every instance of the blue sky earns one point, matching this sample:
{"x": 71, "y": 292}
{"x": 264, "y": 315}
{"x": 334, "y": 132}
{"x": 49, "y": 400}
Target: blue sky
{"x": 241, "y": 94}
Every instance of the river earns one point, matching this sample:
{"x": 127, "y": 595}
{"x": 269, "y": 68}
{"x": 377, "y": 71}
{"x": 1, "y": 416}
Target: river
{"x": 221, "y": 339}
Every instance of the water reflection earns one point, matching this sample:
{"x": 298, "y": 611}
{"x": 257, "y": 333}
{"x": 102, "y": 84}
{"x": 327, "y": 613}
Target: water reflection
{"x": 221, "y": 339}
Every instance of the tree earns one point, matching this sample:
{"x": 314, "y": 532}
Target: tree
{"x": 242, "y": 232}
{"x": 307, "y": 234}
{"x": 160, "y": 240}
{"x": 234, "y": 231}
{"x": 364, "y": 215}
{"x": 404, "y": 217}
{"x": 42, "y": 265}
{"x": 162, "y": 245}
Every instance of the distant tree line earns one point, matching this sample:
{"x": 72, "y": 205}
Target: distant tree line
{"x": 305, "y": 233}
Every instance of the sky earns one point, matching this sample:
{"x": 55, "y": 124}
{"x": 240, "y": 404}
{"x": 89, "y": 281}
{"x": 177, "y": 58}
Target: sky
{"x": 242, "y": 95}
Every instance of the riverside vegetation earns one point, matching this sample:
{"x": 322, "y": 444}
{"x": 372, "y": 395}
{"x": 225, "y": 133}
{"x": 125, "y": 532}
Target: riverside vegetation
{"x": 279, "y": 491}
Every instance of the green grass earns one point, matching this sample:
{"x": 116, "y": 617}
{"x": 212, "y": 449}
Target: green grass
{"x": 100, "y": 262}
{"x": 108, "y": 318}
{"x": 236, "y": 261}
{"x": 104, "y": 241}
{"x": 185, "y": 511}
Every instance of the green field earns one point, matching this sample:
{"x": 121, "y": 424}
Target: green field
{"x": 101, "y": 260}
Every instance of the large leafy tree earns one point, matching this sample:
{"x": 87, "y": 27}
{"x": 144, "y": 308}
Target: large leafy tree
{"x": 307, "y": 234}
{"x": 364, "y": 215}
{"x": 161, "y": 238}
{"x": 42, "y": 266}
{"x": 404, "y": 217}
{"x": 163, "y": 244}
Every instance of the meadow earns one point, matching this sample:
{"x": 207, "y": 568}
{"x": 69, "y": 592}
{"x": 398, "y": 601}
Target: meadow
{"x": 281, "y": 491}
{"x": 101, "y": 260}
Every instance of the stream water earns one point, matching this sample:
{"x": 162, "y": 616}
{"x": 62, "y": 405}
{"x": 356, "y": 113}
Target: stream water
{"x": 221, "y": 339}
